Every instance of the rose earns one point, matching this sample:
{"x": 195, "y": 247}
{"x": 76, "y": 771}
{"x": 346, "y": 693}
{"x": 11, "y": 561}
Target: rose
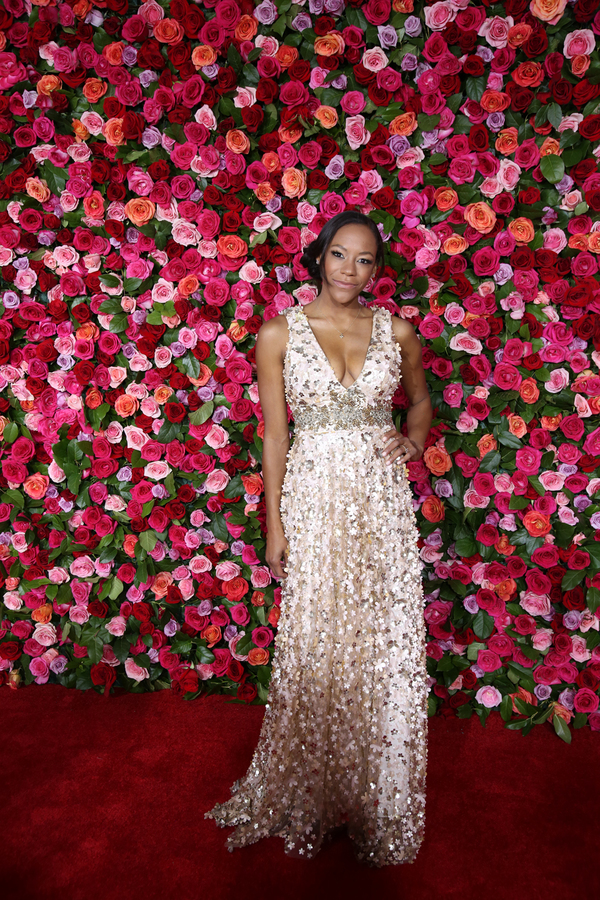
{"x": 488, "y": 696}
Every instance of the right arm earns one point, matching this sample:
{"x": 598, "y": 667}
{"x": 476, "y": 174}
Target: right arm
{"x": 270, "y": 352}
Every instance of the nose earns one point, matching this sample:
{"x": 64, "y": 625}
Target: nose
{"x": 349, "y": 267}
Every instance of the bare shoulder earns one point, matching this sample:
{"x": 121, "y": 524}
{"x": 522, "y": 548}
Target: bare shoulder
{"x": 403, "y": 332}
{"x": 272, "y": 336}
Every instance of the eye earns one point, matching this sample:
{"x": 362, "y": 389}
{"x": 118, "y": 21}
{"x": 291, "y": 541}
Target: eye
{"x": 367, "y": 262}
{"x": 336, "y": 253}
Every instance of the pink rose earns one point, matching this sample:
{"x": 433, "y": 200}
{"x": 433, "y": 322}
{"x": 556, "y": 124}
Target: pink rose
{"x": 216, "y": 481}
{"x": 356, "y": 132}
{"x": 439, "y": 15}
{"x": 487, "y": 696}
{"x": 488, "y": 661}
{"x": 579, "y": 43}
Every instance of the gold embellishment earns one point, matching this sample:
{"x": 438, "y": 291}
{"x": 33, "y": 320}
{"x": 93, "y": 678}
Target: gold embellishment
{"x": 342, "y": 417}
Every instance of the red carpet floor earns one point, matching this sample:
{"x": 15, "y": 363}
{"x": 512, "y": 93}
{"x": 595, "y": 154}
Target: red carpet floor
{"x": 104, "y": 798}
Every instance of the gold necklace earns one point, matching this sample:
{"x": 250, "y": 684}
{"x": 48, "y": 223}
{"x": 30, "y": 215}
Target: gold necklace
{"x": 351, "y": 323}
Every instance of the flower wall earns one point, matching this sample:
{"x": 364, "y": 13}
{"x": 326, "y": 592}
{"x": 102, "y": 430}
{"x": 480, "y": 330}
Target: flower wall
{"x": 162, "y": 167}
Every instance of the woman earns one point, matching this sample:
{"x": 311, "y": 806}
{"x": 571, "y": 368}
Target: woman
{"x": 343, "y": 740}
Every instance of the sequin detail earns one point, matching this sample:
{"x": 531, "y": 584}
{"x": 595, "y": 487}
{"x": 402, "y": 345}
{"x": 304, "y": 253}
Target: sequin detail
{"x": 344, "y": 415}
{"x": 344, "y": 736}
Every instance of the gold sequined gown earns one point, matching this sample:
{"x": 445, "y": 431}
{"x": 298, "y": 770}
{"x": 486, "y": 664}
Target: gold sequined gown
{"x": 344, "y": 736}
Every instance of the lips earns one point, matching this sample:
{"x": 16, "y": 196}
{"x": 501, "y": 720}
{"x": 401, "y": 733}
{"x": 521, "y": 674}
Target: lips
{"x": 342, "y": 285}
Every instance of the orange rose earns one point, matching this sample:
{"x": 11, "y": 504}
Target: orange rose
{"x": 113, "y": 132}
{"x": 290, "y": 134}
{"x": 486, "y": 444}
{"x": 204, "y": 55}
{"x": 36, "y": 485}
{"x": 273, "y": 617}
{"x": 293, "y": 182}
{"x": 237, "y": 141}
{"x": 494, "y": 101}
{"x": 433, "y": 509}
{"x": 80, "y": 131}
{"x": 129, "y": 544}
{"x": 528, "y": 74}
{"x": 454, "y": 244}
{"x": 257, "y": 598}
{"x": 506, "y": 589}
{"x": 445, "y": 198}
{"x": 594, "y": 404}
{"x": 271, "y": 162}
{"x": 580, "y": 241}
{"x": 522, "y": 694}
{"x": 113, "y": 53}
{"x": 536, "y": 523}
{"x": 561, "y": 711}
{"x": 550, "y": 147}
{"x": 253, "y": 483}
{"x": 140, "y": 210}
{"x": 47, "y": 84}
{"x": 258, "y": 656}
{"x": 522, "y": 230}
{"x": 162, "y": 393}
{"x": 211, "y": 634}
{"x": 89, "y": 330}
{"x": 437, "y": 460}
{"x": 168, "y": 31}
{"x": 93, "y": 398}
{"x": 579, "y": 65}
{"x": 548, "y": 10}
{"x": 246, "y": 28}
{"x": 551, "y": 423}
{"x": 42, "y": 614}
{"x": 237, "y": 331}
{"x": 516, "y": 425}
{"x": 480, "y": 216}
{"x": 507, "y": 141}
{"x": 93, "y": 206}
{"x": 232, "y": 246}
{"x": 403, "y": 6}
{"x": 260, "y": 429}
{"x": 126, "y": 405}
{"x": 94, "y": 89}
{"x": 404, "y": 124}
{"x": 518, "y": 34}
{"x": 504, "y": 546}
{"x": 3, "y": 423}
{"x": 161, "y": 584}
{"x": 187, "y": 285}
{"x": 331, "y": 44}
{"x": 286, "y": 56}
{"x": 82, "y": 8}
{"x": 593, "y": 243}
{"x": 327, "y": 116}
{"x": 38, "y": 189}
{"x": 529, "y": 391}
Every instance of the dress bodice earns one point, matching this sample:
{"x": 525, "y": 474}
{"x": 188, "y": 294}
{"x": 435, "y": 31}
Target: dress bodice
{"x": 318, "y": 399}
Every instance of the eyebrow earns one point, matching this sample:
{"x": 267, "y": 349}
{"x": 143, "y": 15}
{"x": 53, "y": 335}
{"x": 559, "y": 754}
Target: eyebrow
{"x": 363, "y": 253}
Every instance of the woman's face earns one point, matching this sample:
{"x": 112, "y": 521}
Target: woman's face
{"x": 349, "y": 262}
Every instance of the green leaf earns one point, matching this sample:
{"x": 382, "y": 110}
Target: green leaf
{"x": 235, "y": 488}
{"x": 562, "y": 729}
{"x": 118, "y": 323}
{"x": 202, "y": 415}
{"x": 483, "y": 624}
{"x": 475, "y": 88}
{"x": 11, "y": 432}
{"x": 506, "y": 708}
{"x": 593, "y": 599}
{"x": 490, "y": 462}
{"x": 148, "y": 540}
{"x": 554, "y": 114}
{"x": 218, "y": 527}
{"x": 552, "y": 167}
{"x": 428, "y": 123}
{"x": 572, "y": 578}
{"x": 115, "y": 588}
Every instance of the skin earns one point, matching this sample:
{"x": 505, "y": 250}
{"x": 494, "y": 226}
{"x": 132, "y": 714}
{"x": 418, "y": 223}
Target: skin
{"x": 349, "y": 262}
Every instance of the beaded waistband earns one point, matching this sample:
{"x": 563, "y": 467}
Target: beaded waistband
{"x": 342, "y": 417}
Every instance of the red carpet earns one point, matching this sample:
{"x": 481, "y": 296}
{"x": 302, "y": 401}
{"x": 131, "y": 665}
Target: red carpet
{"x": 103, "y": 799}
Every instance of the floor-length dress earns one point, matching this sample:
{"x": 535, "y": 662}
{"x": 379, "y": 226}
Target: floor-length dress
{"x": 344, "y": 736}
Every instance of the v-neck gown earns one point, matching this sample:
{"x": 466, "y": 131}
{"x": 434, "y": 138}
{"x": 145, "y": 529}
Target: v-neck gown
{"x": 344, "y": 737}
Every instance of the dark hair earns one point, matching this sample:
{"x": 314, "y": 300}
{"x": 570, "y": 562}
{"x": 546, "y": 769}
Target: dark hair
{"x": 319, "y": 246}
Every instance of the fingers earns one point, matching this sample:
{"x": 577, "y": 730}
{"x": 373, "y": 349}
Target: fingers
{"x": 399, "y": 449}
{"x": 278, "y": 565}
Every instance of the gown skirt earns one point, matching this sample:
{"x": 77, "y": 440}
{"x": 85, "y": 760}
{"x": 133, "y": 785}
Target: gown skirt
{"x": 344, "y": 737}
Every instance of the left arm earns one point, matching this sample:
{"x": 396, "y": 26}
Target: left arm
{"x": 420, "y": 413}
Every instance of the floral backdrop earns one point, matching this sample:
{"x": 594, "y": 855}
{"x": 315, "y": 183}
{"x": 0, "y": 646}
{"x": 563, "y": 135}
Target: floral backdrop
{"x": 162, "y": 167}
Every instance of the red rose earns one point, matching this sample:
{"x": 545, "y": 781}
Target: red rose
{"x": 10, "y": 650}
{"x": 590, "y": 128}
{"x": 175, "y": 412}
{"x": 103, "y": 674}
{"x": 246, "y": 692}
